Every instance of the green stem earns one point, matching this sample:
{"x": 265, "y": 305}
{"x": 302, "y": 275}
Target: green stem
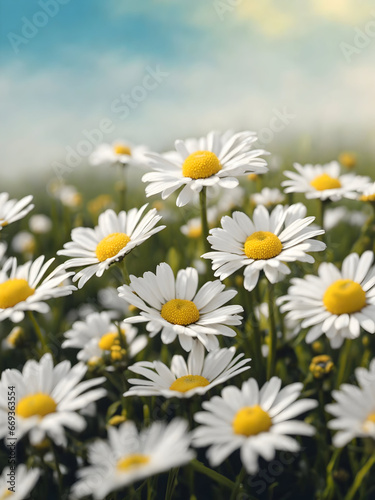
{"x": 330, "y": 486}
{"x": 199, "y": 467}
{"x": 343, "y": 362}
{"x": 204, "y": 222}
{"x": 58, "y": 470}
{"x": 271, "y": 362}
{"x": 38, "y": 332}
{"x": 237, "y": 485}
{"x": 122, "y": 187}
{"x": 171, "y": 485}
{"x": 256, "y": 335}
{"x": 360, "y": 477}
{"x": 124, "y": 272}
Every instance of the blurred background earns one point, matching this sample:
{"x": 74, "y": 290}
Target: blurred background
{"x": 301, "y": 74}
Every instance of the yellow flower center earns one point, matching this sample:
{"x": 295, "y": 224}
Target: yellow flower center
{"x": 121, "y": 149}
{"x": 262, "y": 245}
{"x": 325, "y": 181}
{"x": 3, "y": 224}
{"x": 344, "y": 297}
{"x": 188, "y": 382}
{"x": 133, "y": 461}
{"x": 367, "y": 197}
{"x": 349, "y": 160}
{"x": 7, "y": 494}
{"x": 14, "y": 291}
{"x": 251, "y": 420}
{"x": 111, "y": 245}
{"x": 117, "y": 353}
{"x": 195, "y": 232}
{"x": 180, "y": 312}
{"x": 371, "y": 417}
{"x": 109, "y": 340}
{"x": 200, "y": 165}
{"x": 37, "y": 404}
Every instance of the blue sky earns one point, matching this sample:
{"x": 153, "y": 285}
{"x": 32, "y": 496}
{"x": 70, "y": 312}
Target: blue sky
{"x": 229, "y": 64}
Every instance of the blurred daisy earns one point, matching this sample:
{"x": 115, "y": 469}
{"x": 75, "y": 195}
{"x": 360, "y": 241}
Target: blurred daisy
{"x": 108, "y": 298}
{"x": 40, "y": 224}
{"x": 263, "y": 244}
{"x": 127, "y": 457}
{"x": 368, "y": 193}
{"x": 176, "y": 308}
{"x": 229, "y": 199}
{"x": 193, "y": 227}
{"x": 348, "y": 159}
{"x": 213, "y": 160}
{"x": 268, "y": 197}
{"x": 47, "y": 399}
{"x": 24, "y": 243}
{"x": 324, "y": 182}
{"x": 337, "y": 215}
{"x": 24, "y": 479}
{"x": 13, "y": 210}
{"x": 365, "y": 376}
{"x": 255, "y": 420}
{"x": 16, "y": 338}
{"x": 183, "y": 380}
{"x": 354, "y": 413}
{"x": 70, "y": 196}
{"x": 119, "y": 153}
{"x": 22, "y": 288}
{"x": 115, "y": 236}
{"x": 335, "y": 303}
{"x": 97, "y": 335}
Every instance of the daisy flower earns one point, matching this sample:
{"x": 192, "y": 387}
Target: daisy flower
{"x": 114, "y": 237}
{"x": 24, "y": 243}
{"x": 364, "y": 376}
{"x": 183, "y": 380}
{"x": 354, "y": 413}
{"x": 22, "y": 288}
{"x": 335, "y": 303}
{"x": 40, "y": 224}
{"x": 268, "y": 197}
{"x": 13, "y": 210}
{"x": 263, "y": 244}
{"x": 193, "y": 227}
{"x": 119, "y": 153}
{"x": 368, "y": 193}
{"x": 97, "y": 335}
{"x": 47, "y": 399}
{"x": 176, "y": 308}
{"x": 24, "y": 482}
{"x": 213, "y": 160}
{"x": 255, "y": 420}
{"x": 128, "y": 456}
{"x": 324, "y": 182}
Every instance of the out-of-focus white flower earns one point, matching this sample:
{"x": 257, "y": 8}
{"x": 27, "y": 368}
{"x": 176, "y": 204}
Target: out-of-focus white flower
{"x": 119, "y": 153}
{"x": 24, "y": 242}
{"x": 40, "y": 224}
{"x": 268, "y": 197}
